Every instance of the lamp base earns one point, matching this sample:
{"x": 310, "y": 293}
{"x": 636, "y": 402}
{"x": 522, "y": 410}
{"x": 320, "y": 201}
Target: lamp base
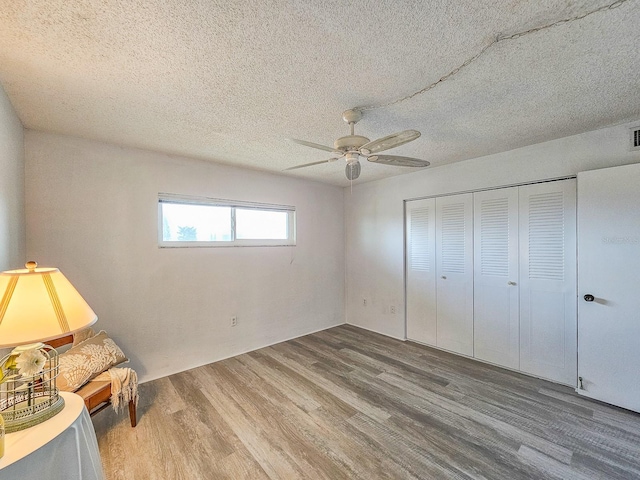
{"x": 28, "y": 417}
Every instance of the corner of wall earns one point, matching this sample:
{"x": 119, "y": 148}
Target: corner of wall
{"x": 12, "y": 186}
{"x": 344, "y": 247}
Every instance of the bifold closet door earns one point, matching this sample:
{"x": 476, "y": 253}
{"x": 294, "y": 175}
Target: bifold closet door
{"x": 454, "y": 273}
{"x": 548, "y": 320}
{"x": 496, "y": 315}
{"x": 421, "y": 270}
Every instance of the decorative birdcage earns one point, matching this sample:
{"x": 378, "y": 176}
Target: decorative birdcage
{"x": 27, "y": 400}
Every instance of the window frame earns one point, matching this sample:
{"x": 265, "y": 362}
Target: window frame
{"x": 233, "y": 205}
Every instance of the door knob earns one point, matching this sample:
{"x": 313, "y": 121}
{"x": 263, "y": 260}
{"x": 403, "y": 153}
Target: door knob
{"x": 444, "y": 277}
{"x": 589, "y": 298}
{"x": 511, "y": 283}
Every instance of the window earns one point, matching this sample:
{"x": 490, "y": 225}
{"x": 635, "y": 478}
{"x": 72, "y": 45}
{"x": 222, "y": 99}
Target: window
{"x": 202, "y": 222}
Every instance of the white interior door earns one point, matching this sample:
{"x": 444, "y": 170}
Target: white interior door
{"x": 548, "y": 319}
{"x": 454, "y": 271}
{"x": 421, "y": 270}
{"x": 609, "y": 269}
{"x": 496, "y": 316}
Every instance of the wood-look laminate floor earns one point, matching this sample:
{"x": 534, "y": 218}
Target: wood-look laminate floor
{"x": 347, "y": 403}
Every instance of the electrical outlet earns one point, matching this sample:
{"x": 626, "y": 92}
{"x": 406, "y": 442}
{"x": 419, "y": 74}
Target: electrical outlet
{"x": 234, "y": 321}
{"x": 392, "y": 309}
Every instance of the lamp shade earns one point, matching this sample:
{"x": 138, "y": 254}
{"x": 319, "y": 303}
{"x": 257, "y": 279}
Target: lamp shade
{"x": 39, "y": 304}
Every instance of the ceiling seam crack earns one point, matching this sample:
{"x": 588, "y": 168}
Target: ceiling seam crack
{"x": 498, "y": 38}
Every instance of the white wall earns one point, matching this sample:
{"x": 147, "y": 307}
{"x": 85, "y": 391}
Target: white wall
{"x": 91, "y": 210}
{"x": 12, "y": 225}
{"x": 374, "y": 212}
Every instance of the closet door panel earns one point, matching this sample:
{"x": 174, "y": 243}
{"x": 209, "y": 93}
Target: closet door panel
{"x": 548, "y": 321}
{"x": 454, "y": 271}
{"x": 421, "y": 270}
{"x": 496, "y": 303}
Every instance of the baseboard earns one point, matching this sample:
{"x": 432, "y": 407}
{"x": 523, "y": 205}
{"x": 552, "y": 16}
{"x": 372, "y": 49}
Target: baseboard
{"x": 151, "y": 379}
{"x": 375, "y": 331}
{"x": 479, "y": 360}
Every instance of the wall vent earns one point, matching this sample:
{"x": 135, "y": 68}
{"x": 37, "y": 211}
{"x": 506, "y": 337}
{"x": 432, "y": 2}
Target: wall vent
{"x": 635, "y": 138}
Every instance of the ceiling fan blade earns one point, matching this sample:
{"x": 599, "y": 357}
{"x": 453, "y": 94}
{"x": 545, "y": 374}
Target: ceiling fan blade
{"x": 312, "y": 145}
{"x": 398, "y": 161}
{"x": 390, "y": 141}
{"x": 311, "y": 164}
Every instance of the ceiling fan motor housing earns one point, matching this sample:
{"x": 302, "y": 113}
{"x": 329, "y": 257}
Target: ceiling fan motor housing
{"x": 350, "y": 142}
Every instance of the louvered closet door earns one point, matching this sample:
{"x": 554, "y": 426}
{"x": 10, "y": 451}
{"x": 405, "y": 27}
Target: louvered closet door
{"x": 421, "y": 270}
{"x": 454, "y": 271}
{"x": 548, "y": 322}
{"x": 496, "y": 316}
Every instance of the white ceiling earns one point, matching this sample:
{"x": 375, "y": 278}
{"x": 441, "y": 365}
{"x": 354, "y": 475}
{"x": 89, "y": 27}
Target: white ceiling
{"x": 231, "y": 80}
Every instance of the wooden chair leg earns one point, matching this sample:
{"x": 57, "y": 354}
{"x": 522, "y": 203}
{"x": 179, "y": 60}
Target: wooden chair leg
{"x": 132, "y": 413}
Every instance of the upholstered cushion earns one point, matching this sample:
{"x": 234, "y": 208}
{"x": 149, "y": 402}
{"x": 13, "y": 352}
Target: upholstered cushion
{"x": 86, "y": 360}
{"x": 83, "y": 335}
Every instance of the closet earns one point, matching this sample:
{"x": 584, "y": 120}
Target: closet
{"x": 440, "y": 272}
{"x": 492, "y": 275}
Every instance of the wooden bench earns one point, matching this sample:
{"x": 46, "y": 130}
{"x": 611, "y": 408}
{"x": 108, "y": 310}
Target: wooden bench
{"x": 96, "y": 394}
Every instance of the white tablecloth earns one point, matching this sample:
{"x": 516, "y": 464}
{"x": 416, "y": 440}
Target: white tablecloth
{"x": 62, "y": 448}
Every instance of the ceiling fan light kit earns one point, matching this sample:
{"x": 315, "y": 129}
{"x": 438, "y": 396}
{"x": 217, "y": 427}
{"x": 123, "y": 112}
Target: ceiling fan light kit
{"x": 352, "y": 170}
{"x": 351, "y": 147}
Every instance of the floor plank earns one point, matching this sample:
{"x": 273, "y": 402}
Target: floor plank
{"x": 348, "y": 403}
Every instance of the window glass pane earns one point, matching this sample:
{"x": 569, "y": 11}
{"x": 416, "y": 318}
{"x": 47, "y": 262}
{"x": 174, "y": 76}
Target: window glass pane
{"x": 261, "y": 224}
{"x": 195, "y": 223}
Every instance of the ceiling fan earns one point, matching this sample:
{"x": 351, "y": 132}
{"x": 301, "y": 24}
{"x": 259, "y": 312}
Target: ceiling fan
{"x": 352, "y": 147}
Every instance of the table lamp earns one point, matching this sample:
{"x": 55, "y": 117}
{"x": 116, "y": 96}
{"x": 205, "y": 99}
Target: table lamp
{"x": 36, "y": 305}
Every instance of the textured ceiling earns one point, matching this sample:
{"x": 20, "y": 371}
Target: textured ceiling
{"x": 231, "y": 80}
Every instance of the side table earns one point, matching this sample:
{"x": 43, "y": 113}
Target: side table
{"x": 61, "y": 448}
